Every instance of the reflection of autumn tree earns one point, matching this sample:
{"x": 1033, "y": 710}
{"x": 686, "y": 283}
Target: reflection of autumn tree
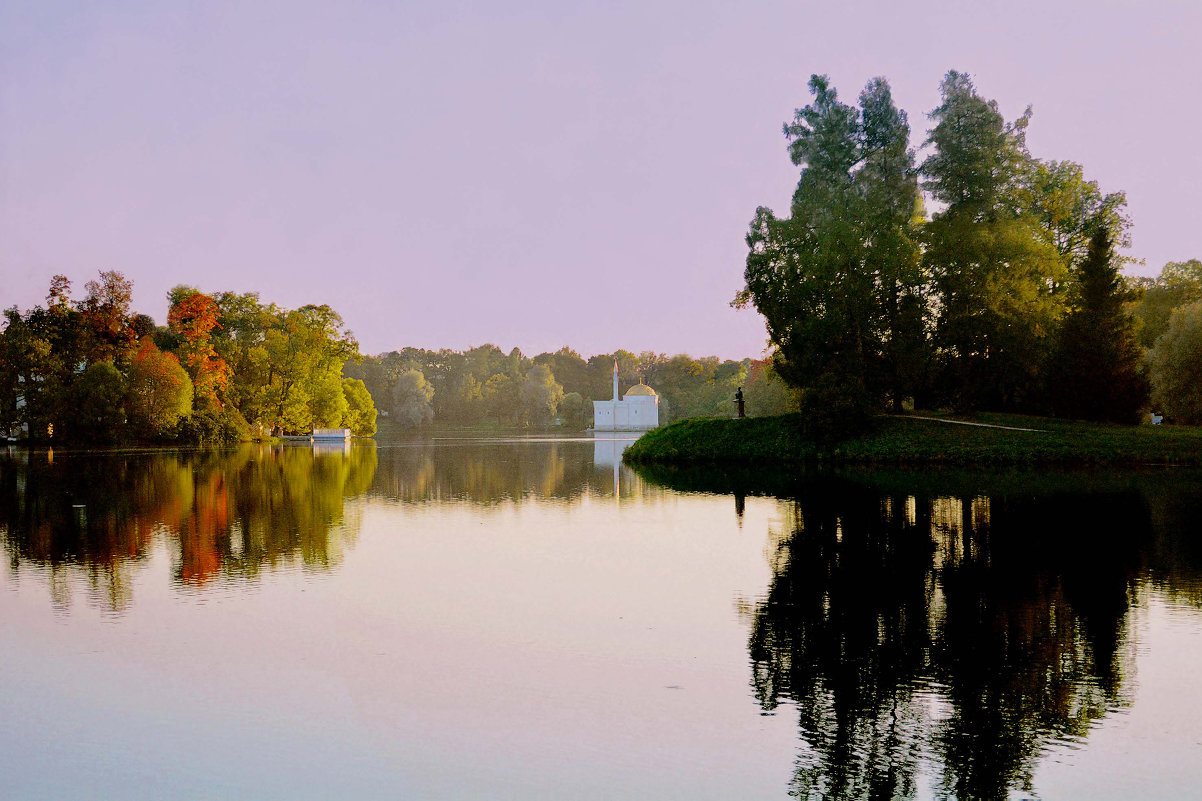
{"x": 222, "y": 512}
{"x": 1012, "y": 613}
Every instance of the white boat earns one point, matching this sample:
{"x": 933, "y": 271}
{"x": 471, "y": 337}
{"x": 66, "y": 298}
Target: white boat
{"x": 328, "y": 434}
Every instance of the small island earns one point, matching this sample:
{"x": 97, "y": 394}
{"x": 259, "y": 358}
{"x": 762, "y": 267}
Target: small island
{"x": 982, "y": 439}
{"x": 1006, "y": 309}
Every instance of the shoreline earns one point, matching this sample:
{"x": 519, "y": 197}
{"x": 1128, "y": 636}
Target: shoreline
{"x": 921, "y": 439}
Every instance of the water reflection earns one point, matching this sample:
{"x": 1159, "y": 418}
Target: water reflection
{"x": 229, "y": 514}
{"x": 223, "y": 514}
{"x": 491, "y": 472}
{"x": 938, "y": 639}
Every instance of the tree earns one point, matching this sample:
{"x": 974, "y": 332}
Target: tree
{"x": 1179, "y": 284}
{"x": 1176, "y": 367}
{"x": 571, "y": 409}
{"x": 1096, "y": 373}
{"x": 96, "y": 404}
{"x": 501, "y": 400}
{"x": 360, "y": 415}
{"x": 306, "y": 350}
{"x": 838, "y": 280}
{"x": 158, "y": 391}
{"x": 1070, "y": 209}
{"x": 765, "y": 393}
{"x": 193, "y": 317}
{"x": 540, "y": 395}
{"x": 411, "y": 400}
{"x": 110, "y": 335}
{"x": 995, "y": 273}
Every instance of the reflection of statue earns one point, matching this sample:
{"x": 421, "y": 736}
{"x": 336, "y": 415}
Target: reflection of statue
{"x": 1023, "y": 639}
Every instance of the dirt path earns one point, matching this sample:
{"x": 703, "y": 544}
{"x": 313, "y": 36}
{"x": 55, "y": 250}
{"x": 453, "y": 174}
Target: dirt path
{"x": 964, "y": 423}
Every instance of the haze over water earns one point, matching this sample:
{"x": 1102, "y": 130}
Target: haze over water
{"x": 528, "y": 619}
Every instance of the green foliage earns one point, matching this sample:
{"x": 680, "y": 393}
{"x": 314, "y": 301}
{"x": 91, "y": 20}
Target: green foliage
{"x": 572, "y": 409}
{"x": 839, "y": 280}
{"x": 214, "y": 427}
{"x": 360, "y": 415}
{"x": 766, "y": 441}
{"x": 1097, "y": 373}
{"x": 411, "y": 400}
{"x": 282, "y": 369}
{"x": 158, "y": 392}
{"x": 539, "y": 395}
{"x": 95, "y": 401}
{"x": 994, "y": 270}
{"x": 1176, "y": 367}
{"x": 766, "y": 393}
{"x": 1179, "y": 284}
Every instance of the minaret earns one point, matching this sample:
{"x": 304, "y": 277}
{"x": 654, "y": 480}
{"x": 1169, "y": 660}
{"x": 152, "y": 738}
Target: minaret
{"x": 615, "y": 380}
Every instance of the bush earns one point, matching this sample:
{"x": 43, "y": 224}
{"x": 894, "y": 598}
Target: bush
{"x": 213, "y": 427}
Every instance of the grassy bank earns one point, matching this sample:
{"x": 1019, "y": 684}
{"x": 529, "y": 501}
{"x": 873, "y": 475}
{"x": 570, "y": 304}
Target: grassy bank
{"x": 908, "y": 440}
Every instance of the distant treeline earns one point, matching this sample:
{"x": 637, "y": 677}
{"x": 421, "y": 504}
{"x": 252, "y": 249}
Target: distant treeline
{"x": 226, "y": 367}
{"x": 229, "y": 367}
{"x": 486, "y": 384}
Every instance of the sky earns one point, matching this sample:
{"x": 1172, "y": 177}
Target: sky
{"x": 532, "y": 174}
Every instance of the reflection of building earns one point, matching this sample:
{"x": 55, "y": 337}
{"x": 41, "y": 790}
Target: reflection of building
{"x": 607, "y": 452}
{"x": 638, "y": 410}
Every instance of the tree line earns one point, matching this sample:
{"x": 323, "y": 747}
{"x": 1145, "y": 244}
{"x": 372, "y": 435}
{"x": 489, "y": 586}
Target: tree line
{"x": 485, "y": 384}
{"x": 226, "y": 367}
{"x": 1008, "y": 297}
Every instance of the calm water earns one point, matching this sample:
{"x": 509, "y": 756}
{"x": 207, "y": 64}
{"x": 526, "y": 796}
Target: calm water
{"x": 526, "y": 619}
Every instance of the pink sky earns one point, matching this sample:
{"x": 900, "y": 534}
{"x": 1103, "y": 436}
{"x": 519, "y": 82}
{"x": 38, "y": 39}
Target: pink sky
{"x": 446, "y": 174}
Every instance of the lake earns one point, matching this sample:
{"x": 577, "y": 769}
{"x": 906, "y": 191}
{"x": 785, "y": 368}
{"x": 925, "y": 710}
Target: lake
{"x": 528, "y": 619}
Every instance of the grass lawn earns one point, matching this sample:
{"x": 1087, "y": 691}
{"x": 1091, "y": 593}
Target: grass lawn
{"x": 907, "y": 440}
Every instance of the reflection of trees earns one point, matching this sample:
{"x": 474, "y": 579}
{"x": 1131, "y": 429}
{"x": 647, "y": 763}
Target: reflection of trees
{"x": 488, "y": 473}
{"x": 973, "y": 630}
{"x": 222, "y": 512}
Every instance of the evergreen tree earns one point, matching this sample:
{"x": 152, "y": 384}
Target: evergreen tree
{"x": 994, "y": 270}
{"x": 1096, "y": 368}
{"x": 839, "y": 281}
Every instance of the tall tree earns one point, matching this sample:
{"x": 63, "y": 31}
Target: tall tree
{"x": 193, "y": 317}
{"x": 994, "y": 272}
{"x": 411, "y": 400}
{"x": 158, "y": 391}
{"x": 839, "y": 280}
{"x": 1097, "y": 372}
{"x": 107, "y": 317}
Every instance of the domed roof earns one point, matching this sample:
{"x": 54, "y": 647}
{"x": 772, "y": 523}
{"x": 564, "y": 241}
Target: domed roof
{"x": 640, "y": 389}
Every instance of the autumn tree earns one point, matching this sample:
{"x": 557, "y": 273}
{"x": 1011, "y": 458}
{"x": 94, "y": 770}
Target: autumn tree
{"x": 106, "y": 315}
{"x": 193, "y": 317}
{"x": 158, "y": 391}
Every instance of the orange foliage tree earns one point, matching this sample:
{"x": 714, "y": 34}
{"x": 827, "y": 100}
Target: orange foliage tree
{"x": 193, "y": 318}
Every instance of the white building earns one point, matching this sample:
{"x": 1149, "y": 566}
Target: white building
{"x": 638, "y": 410}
